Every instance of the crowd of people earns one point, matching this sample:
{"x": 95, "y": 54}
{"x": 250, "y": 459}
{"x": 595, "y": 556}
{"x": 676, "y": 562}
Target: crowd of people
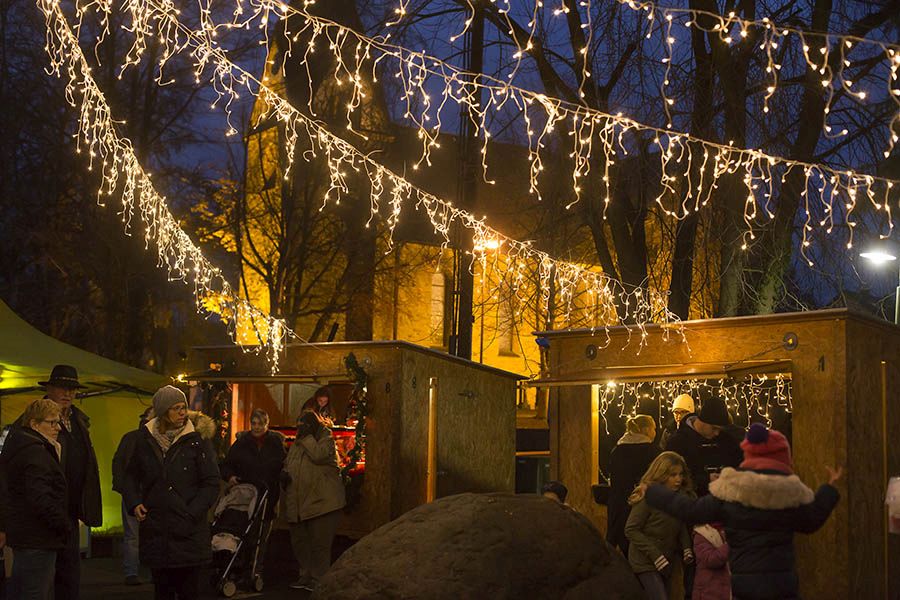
{"x": 723, "y": 509}
{"x": 693, "y": 497}
{"x": 169, "y": 477}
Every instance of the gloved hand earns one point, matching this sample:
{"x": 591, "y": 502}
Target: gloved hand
{"x": 688, "y": 556}
{"x": 284, "y": 479}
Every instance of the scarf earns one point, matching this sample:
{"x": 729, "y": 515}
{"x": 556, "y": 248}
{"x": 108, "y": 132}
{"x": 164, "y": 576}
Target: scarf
{"x": 167, "y": 438}
{"x": 56, "y": 445}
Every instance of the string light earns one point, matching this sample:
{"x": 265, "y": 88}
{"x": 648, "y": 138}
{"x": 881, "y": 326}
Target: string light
{"x": 636, "y": 305}
{"x": 754, "y": 398}
{"x": 761, "y": 174}
{"x": 122, "y": 176}
{"x": 771, "y": 36}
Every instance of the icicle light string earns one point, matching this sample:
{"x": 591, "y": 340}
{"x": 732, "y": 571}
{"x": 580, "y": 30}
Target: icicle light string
{"x": 122, "y": 174}
{"x": 827, "y": 192}
{"x": 732, "y": 29}
{"x": 754, "y": 398}
{"x": 638, "y": 305}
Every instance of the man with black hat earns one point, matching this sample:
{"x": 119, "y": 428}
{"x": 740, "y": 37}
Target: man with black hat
{"x": 82, "y": 476}
{"x": 703, "y": 441}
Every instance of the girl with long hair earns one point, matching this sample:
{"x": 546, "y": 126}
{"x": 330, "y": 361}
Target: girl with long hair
{"x": 656, "y": 539}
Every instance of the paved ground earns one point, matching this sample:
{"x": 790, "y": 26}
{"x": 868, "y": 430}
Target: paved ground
{"x": 101, "y": 578}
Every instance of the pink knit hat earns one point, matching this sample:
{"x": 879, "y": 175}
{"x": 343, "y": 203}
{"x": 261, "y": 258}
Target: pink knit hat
{"x": 766, "y": 449}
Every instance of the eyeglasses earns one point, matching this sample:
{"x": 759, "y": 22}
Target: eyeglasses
{"x": 52, "y": 422}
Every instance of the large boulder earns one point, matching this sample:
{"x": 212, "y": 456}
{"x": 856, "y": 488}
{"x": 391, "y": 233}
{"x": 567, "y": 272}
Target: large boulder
{"x": 483, "y": 546}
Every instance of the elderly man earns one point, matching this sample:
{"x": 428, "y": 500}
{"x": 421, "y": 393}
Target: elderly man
{"x": 82, "y": 476}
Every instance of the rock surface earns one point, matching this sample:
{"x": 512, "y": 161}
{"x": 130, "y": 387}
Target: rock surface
{"x": 489, "y": 546}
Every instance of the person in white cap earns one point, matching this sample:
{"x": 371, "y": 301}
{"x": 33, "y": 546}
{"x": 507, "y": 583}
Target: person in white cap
{"x": 682, "y": 406}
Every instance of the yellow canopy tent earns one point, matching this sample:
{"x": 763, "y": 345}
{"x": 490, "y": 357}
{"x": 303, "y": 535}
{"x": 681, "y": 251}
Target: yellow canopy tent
{"x": 115, "y": 397}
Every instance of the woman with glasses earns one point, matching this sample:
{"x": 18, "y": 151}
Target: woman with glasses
{"x": 171, "y": 482}
{"x": 33, "y": 501}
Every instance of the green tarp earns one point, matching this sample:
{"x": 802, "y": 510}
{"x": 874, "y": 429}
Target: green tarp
{"x": 122, "y": 393}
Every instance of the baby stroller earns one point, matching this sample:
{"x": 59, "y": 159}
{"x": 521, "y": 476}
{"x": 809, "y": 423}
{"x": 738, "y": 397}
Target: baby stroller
{"x": 238, "y": 532}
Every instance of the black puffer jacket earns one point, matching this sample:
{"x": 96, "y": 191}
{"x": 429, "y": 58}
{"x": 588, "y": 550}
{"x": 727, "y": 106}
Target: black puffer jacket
{"x": 260, "y": 466}
{"x": 761, "y": 511}
{"x": 32, "y": 492}
{"x": 702, "y": 454}
{"x": 627, "y": 464}
{"x": 177, "y": 488}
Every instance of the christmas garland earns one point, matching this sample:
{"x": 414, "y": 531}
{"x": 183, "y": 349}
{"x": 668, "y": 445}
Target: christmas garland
{"x": 358, "y": 410}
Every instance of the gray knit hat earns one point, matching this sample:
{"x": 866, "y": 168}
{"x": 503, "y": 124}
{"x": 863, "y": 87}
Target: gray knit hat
{"x": 165, "y": 398}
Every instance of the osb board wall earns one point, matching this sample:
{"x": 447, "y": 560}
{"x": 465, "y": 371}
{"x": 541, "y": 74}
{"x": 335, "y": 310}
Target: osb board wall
{"x": 476, "y": 426}
{"x": 819, "y": 424}
{"x": 476, "y": 439}
{"x": 874, "y": 556}
{"x": 373, "y": 509}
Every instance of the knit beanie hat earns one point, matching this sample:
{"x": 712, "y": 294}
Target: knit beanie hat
{"x": 714, "y": 412}
{"x": 766, "y": 449}
{"x": 683, "y": 402}
{"x": 165, "y": 398}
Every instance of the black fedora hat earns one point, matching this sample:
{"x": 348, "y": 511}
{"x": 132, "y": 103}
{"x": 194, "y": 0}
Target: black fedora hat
{"x": 64, "y": 376}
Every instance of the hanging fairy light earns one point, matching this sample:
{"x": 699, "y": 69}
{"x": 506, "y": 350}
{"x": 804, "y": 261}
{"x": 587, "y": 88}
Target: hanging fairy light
{"x": 97, "y": 132}
{"x": 732, "y": 29}
{"x": 757, "y": 397}
{"x": 829, "y": 192}
{"x": 123, "y": 177}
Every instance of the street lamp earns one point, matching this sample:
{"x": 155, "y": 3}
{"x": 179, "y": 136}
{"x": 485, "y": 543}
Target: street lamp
{"x": 881, "y": 253}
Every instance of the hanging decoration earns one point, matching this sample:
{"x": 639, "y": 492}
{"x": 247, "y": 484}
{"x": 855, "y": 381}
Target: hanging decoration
{"x": 634, "y": 307}
{"x": 825, "y": 53}
{"x": 123, "y": 177}
{"x": 691, "y": 168}
{"x": 357, "y": 411}
{"x": 750, "y": 399}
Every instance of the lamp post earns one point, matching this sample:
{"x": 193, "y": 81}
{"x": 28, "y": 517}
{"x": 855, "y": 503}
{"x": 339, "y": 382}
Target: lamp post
{"x": 881, "y": 254}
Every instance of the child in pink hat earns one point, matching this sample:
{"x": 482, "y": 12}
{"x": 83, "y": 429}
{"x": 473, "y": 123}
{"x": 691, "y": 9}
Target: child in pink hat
{"x": 761, "y": 505}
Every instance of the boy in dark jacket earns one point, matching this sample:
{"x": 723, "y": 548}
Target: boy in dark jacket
{"x": 761, "y": 505}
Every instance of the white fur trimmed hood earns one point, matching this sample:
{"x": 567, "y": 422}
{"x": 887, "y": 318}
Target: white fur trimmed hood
{"x": 761, "y": 490}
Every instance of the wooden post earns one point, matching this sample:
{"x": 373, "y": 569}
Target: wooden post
{"x": 595, "y": 434}
{"x": 431, "y": 469}
{"x": 235, "y": 405}
{"x": 885, "y": 473}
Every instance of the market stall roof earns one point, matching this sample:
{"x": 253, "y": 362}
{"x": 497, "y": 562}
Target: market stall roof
{"x": 27, "y": 356}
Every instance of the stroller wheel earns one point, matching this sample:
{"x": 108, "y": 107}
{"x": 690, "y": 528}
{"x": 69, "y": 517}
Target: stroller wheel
{"x": 228, "y": 589}
{"x": 258, "y": 583}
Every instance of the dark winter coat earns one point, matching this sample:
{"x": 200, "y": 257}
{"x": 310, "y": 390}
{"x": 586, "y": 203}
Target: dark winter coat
{"x": 260, "y": 466}
{"x": 760, "y": 511}
{"x": 627, "y": 464}
{"x": 32, "y": 492}
{"x": 87, "y": 505}
{"x": 122, "y": 457}
{"x": 177, "y": 488}
{"x": 653, "y": 533}
{"x": 703, "y": 455}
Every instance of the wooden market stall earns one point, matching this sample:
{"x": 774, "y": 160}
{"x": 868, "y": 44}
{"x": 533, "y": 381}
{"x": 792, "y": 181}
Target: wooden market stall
{"x": 437, "y": 425}
{"x": 844, "y": 372}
